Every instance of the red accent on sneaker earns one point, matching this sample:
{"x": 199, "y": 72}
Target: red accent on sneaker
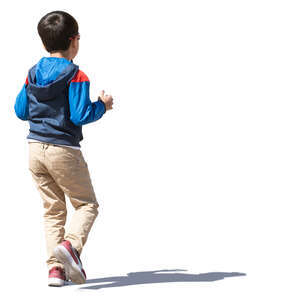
{"x": 57, "y": 272}
{"x": 83, "y": 273}
{"x": 69, "y": 247}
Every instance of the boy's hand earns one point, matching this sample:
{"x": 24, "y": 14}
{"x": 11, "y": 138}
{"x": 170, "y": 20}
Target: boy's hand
{"x": 107, "y": 99}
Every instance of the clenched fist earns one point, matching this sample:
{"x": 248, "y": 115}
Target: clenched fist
{"x": 107, "y": 99}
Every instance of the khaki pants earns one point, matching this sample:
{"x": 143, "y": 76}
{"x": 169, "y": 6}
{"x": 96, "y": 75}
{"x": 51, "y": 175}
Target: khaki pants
{"x": 58, "y": 171}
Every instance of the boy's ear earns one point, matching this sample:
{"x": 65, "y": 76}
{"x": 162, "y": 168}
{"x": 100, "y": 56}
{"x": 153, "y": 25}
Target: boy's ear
{"x": 72, "y": 44}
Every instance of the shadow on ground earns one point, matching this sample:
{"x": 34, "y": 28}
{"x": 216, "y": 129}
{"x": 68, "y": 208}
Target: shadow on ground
{"x": 158, "y": 276}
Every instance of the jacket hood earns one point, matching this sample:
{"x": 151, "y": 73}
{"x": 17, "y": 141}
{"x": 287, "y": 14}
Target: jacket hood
{"x": 50, "y": 77}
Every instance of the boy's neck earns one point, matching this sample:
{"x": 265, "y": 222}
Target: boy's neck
{"x": 61, "y": 55}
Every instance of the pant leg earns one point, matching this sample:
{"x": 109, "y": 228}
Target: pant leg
{"x": 71, "y": 173}
{"x": 53, "y": 201}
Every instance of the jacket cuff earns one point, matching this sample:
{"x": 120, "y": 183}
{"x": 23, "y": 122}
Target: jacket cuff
{"x": 103, "y": 105}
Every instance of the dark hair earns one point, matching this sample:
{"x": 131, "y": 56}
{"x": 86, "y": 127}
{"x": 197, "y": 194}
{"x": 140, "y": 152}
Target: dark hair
{"x": 55, "y": 30}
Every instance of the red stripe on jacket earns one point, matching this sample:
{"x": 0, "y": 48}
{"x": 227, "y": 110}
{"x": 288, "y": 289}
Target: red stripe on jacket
{"x": 26, "y": 81}
{"x": 80, "y": 77}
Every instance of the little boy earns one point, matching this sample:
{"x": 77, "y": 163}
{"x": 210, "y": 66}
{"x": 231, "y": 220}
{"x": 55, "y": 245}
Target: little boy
{"x": 55, "y": 100}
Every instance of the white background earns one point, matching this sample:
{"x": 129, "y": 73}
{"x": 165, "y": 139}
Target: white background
{"x": 197, "y": 166}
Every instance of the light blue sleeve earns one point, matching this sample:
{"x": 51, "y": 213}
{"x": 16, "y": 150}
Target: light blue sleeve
{"x": 82, "y": 110}
{"x": 21, "y": 105}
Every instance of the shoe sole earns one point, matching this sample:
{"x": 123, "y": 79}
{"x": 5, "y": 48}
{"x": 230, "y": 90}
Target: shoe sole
{"x": 52, "y": 281}
{"x": 74, "y": 272}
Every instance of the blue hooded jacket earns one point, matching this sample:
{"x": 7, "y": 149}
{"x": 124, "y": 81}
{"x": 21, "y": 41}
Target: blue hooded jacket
{"x": 55, "y": 100}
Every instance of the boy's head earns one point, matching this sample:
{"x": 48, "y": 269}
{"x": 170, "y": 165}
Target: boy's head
{"x": 59, "y": 32}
